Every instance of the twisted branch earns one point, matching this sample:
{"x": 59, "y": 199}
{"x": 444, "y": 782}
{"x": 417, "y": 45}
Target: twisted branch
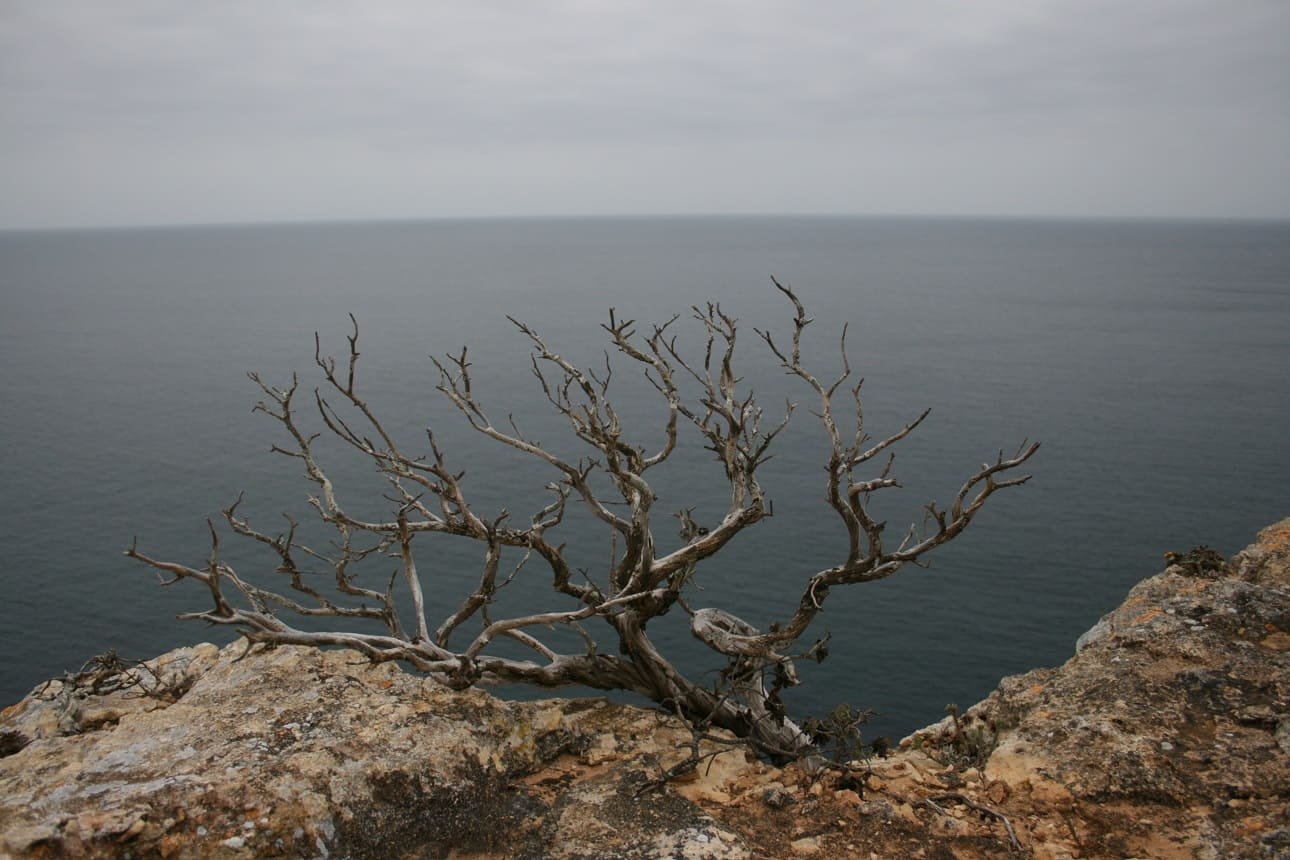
{"x": 642, "y": 581}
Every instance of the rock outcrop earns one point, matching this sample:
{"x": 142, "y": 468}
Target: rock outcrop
{"x": 1166, "y": 735}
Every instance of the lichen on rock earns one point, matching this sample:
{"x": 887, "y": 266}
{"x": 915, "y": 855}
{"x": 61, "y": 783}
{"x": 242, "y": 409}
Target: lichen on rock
{"x": 1160, "y": 737}
{"x": 1167, "y": 734}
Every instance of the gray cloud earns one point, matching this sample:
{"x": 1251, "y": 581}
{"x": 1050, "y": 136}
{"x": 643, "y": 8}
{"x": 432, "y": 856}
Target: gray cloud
{"x": 150, "y": 112}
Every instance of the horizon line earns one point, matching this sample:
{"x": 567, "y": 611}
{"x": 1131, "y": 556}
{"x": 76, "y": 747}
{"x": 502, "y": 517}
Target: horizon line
{"x": 419, "y": 219}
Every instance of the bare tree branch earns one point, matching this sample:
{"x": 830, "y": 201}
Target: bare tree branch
{"x": 640, "y": 582}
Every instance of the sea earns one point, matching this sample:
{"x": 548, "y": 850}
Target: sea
{"x": 1150, "y": 358}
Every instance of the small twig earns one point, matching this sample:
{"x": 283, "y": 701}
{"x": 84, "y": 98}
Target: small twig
{"x": 983, "y": 809}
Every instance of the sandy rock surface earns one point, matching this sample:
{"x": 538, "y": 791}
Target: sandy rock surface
{"x": 1166, "y": 735}
{"x": 295, "y": 752}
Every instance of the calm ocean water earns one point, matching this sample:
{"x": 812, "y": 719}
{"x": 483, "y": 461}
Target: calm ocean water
{"x": 1150, "y": 358}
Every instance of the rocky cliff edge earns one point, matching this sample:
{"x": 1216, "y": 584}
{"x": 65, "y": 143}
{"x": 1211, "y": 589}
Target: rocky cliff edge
{"x": 1166, "y": 735}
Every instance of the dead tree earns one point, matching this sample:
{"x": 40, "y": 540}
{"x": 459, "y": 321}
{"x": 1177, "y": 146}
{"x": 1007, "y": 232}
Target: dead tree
{"x": 642, "y": 581}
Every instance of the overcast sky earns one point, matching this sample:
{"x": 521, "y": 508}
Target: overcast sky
{"x": 116, "y": 113}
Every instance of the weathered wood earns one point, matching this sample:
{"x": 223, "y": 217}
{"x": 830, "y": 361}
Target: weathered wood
{"x": 640, "y": 582}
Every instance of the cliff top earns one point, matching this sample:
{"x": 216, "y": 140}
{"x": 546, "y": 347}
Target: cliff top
{"x": 1167, "y": 734}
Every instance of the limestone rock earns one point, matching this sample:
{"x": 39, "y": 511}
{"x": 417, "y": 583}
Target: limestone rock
{"x": 297, "y": 752}
{"x": 1171, "y": 709}
{"x": 1167, "y": 734}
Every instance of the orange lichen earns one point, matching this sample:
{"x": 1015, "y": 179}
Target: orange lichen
{"x": 1146, "y": 616}
{"x": 1279, "y": 641}
{"x": 1277, "y": 537}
